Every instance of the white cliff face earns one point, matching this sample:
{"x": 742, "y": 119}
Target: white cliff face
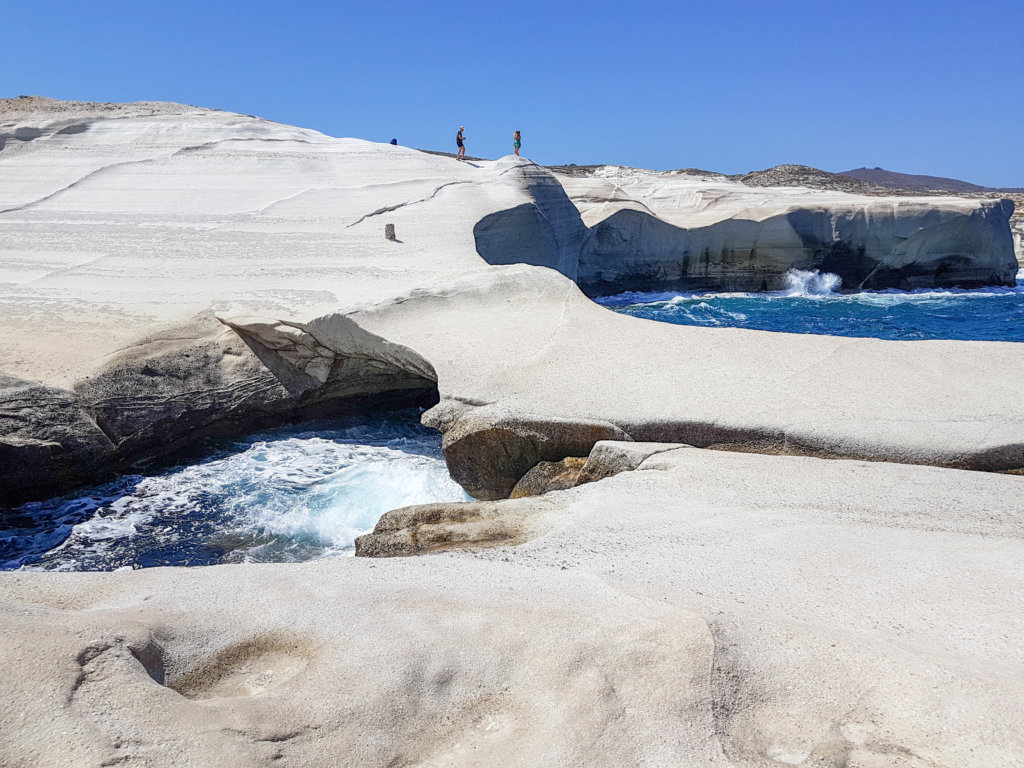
{"x": 120, "y": 220}
{"x": 117, "y": 223}
{"x": 669, "y": 230}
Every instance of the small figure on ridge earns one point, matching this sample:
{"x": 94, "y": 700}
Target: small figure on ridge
{"x": 459, "y": 142}
{"x": 516, "y": 143}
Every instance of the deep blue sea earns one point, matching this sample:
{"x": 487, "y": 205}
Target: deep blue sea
{"x": 283, "y": 495}
{"x": 812, "y": 304}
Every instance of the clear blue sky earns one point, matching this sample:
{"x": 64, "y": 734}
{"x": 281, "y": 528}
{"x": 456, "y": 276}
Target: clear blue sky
{"x": 920, "y": 86}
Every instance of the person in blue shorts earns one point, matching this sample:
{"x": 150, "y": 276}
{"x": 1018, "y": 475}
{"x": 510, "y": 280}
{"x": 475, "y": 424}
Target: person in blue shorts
{"x": 516, "y": 143}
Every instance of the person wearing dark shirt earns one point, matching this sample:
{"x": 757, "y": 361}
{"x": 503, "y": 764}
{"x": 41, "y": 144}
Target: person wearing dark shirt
{"x": 459, "y": 139}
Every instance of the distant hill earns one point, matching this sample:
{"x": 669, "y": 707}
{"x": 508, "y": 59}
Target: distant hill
{"x": 918, "y": 183}
{"x": 806, "y": 176}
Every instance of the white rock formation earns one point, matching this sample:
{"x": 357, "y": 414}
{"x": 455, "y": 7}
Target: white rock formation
{"x": 550, "y": 355}
{"x": 709, "y": 608}
{"x": 127, "y": 223}
{"x": 701, "y": 608}
{"x": 671, "y": 230}
{"x": 137, "y": 221}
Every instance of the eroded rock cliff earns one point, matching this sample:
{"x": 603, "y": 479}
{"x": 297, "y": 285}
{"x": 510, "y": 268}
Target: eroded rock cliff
{"x": 653, "y": 231}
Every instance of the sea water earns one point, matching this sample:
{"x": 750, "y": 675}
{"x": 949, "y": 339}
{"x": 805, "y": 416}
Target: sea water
{"x": 812, "y": 303}
{"x": 283, "y": 495}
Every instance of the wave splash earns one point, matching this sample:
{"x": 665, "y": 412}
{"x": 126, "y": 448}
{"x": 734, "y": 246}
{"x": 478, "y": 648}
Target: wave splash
{"x": 801, "y": 282}
{"x": 281, "y": 496}
{"x": 810, "y": 303}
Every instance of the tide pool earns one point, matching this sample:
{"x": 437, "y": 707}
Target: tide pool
{"x": 812, "y": 304}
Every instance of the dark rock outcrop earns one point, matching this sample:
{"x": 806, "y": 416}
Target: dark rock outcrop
{"x": 488, "y": 449}
{"x": 173, "y": 390}
{"x": 48, "y": 441}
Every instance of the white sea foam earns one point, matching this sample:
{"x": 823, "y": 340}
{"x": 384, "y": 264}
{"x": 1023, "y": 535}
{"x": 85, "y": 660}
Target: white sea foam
{"x": 801, "y": 282}
{"x": 279, "y": 499}
{"x": 700, "y": 312}
{"x": 810, "y": 304}
{"x": 811, "y": 284}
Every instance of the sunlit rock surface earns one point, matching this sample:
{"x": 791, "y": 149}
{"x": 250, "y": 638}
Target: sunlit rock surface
{"x": 654, "y": 230}
{"x": 683, "y": 607}
{"x": 706, "y": 608}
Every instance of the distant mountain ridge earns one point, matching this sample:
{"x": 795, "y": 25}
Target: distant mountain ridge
{"x": 919, "y": 183}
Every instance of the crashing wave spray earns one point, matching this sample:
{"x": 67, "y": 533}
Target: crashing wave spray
{"x": 285, "y": 495}
{"x": 801, "y": 282}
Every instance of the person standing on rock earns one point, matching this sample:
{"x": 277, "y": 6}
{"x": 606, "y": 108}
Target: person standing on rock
{"x": 516, "y": 143}
{"x": 459, "y": 143}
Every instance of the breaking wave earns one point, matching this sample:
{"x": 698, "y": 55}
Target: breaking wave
{"x": 801, "y": 282}
{"x": 280, "y": 496}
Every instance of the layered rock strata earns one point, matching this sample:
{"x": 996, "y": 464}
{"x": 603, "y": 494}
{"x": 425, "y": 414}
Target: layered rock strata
{"x": 652, "y": 231}
{"x": 124, "y": 223}
{"x": 175, "y": 389}
{"x": 122, "y": 229}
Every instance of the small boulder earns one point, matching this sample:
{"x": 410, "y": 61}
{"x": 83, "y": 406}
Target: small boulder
{"x": 549, "y": 476}
{"x": 488, "y": 449}
{"x": 426, "y": 528}
{"x": 610, "y": 457}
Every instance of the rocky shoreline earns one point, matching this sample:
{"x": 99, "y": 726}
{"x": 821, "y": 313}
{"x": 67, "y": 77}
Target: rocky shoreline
{"x": 748, "y": 549}
{"x": 209, "y": 373}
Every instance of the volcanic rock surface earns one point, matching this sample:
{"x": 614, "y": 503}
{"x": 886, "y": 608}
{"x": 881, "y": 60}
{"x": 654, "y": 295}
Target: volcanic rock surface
{"x": 708, "y": 608}
{"x": 169, "y": 272}
{"x": 671, "y": 230}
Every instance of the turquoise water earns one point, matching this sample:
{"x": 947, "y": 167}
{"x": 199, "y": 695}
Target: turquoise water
{"x": 284, "y": 495}
{"x": 812, "y": 304}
